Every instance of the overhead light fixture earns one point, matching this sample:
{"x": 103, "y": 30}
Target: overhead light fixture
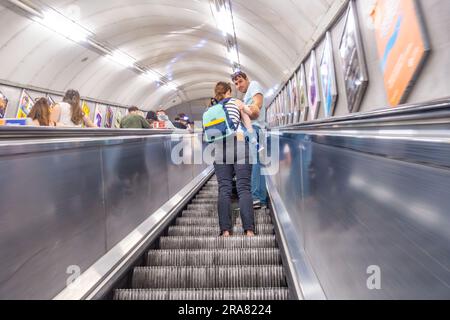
{"x": 223, "y": 15}
{"x": 122, "y": 58}
{"x": 63, "y": 25}
{"x": 172, "y": 86}
{"x": 233, "y": 55}
{"x": 224, "y": 18}
{"x": 152, "y": 75}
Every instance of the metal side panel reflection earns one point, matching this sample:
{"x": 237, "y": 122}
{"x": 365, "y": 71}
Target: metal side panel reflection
{"x": 136, "y": 183}
{"x": 52, "y": 217}
{"x": 373, "y": 227}
{"x": 65, "y": 203}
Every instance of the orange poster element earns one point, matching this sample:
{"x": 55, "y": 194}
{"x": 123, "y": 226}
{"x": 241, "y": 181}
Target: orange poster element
{"x": 402, "y": 45}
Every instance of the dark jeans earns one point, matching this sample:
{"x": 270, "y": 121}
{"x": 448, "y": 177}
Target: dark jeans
{"x": 225, "y": 174}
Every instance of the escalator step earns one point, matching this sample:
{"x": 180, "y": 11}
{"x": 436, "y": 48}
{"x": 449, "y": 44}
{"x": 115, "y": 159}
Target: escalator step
{"x": 202, "y": 206}
{"x": 215, "y": 221}
{"x": 235, "y": 242}
{"x": 211, "y": 214}
{"x": 208, "y": 277}
{"x": 204, "y": 294}
{"x": 223, "y": 257}
{"x": 178, "y": 231}
{"x": 205, "y": 201}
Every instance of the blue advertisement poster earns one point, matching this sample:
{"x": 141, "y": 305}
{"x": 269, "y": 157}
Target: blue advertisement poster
{"x": 313, "y": 87}
{"x": 328, "y": 78}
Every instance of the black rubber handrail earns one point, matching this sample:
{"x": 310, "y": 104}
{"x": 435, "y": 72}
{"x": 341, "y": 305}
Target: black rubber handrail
{"x": 436, "y": 111}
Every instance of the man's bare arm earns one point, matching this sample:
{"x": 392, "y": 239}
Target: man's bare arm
{"x": 256, "y": 106}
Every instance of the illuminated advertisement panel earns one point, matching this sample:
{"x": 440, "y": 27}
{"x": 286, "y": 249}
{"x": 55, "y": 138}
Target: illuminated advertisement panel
{"x": 25, "y": 105}
{"x": 98, "y": 118}
{"x": 295, "y": 104}
{"x": 352, "y": 60}
{"x": 313, "y": 87}
{"x": 328, "y": 78}
{"x": 290, "y": 110}
{"x": 303, "y": 95}
{"x": 109, "y": 117}
{"x": 3, "y": 105}
{"x": 402, "y": 45}
{"x": 118, "y": 119}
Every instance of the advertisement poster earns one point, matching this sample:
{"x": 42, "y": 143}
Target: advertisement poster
{"x": 294, "y": 101}
{"x": 98, "y": 119}
{"x": 3, "y": 105}
{"x": 25, "y": 105}
{"x": 353, "y": 62}
{"x": 303, "y": 94}
{"x": 277, "y": 111}
{"x": 118, "y": 119}
{"x": 313, "y": 87}
{"x": 402, "y": 45}
{"x": 86, "y": 109}
{"x": 285, "y": 105}
{"x": 109, "y": 117}
{"x": 51, "y": 101}
{"x": 289, "y": 103}
{"x": 328, "y": 78}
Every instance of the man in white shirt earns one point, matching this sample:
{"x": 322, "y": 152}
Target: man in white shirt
{"x": 254, "y": 99}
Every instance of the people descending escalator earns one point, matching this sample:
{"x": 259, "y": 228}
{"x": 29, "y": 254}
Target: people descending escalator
{"x": 134, "y": 120}
{"x": 40, "y": 114}
{"x": 231, "y": 159}
{"x": 69, "y": 112}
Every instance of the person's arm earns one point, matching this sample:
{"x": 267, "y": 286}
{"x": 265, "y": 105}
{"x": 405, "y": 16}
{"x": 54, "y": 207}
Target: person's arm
{"x": 145, "y": 124}
{"x": 55, "y": 115}
{"x": 255, "y": 108}
{"x": 88, "y": 123}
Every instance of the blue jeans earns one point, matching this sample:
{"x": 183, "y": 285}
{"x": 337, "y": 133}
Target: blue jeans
{"x": 259, "y": 190}
{"x": 225, "y": 174}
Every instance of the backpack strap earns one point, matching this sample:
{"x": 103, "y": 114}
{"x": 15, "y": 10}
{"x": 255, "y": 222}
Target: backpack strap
{"x": 223, "y": 103}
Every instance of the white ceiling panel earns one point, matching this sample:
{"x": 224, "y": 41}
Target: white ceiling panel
{"x": 178, "y": 39}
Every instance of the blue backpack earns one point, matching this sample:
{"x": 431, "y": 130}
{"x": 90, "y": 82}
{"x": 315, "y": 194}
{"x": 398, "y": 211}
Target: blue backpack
{"x": 217, "y": 122}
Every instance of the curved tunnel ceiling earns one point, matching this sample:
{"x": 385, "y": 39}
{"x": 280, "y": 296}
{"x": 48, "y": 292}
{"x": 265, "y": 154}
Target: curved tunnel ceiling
{"x": 178, "y": 39}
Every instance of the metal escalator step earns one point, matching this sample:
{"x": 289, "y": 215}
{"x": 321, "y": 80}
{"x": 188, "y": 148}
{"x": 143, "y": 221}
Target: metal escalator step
{"x": 205, "y": 201}
{"x": 235, "y": 242}
{"x": 209, "y": 195}
{"x": 214, "y": 214}
{"x": 179, "y": 231}
{"x": 215, "y": 221}
{"x": 222, "y": 257}
{"x": 204, "y": 294}
{"x": 208, "y": 277}
{"x": 202, "y": 206}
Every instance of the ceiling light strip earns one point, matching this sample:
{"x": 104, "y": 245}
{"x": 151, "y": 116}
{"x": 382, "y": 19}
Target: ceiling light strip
{"x": 58, "y": 23}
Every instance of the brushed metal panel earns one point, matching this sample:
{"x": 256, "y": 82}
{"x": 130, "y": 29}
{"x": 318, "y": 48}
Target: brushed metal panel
{"x": 52, "y": 216}
{"x": 135, "y": 184}
{"x": 179, "y": 174}
{"x": 359, "y": 210}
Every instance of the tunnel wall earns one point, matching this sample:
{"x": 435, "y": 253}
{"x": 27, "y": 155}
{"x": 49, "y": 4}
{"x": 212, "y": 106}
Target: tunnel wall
{"x": 432, "y": 82}
{"x": 68, "y": 203}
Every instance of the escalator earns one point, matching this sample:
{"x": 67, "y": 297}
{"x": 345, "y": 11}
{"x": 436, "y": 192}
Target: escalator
{"x": 192, "y": 262}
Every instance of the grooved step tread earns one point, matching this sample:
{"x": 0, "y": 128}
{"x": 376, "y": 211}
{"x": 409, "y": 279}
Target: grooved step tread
{"x": 214, "y": 257}
{"x": 235, "y": 242}
{"x": 201, "y": 277}
{"x": 204, "y": 294}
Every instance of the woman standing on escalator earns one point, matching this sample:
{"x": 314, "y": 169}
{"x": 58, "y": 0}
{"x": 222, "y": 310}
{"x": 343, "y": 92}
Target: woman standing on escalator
{"x": 232, "y": 158}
